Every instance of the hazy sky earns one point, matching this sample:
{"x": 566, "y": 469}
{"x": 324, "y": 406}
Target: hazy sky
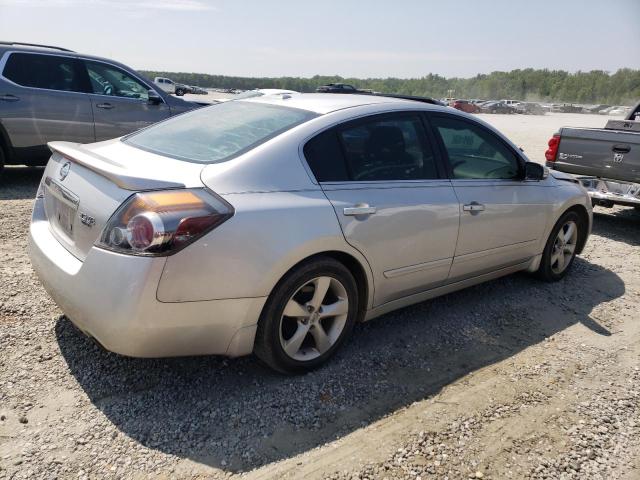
{"x": 367, "y": 38}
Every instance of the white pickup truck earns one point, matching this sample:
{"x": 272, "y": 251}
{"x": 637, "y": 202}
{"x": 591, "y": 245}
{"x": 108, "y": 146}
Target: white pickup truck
{"x": 172, "y": 87}
{"x": 605, "y": 160}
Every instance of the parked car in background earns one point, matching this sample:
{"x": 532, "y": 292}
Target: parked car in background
{"x": 530, "y": 108}
{"x": 166, "y": 84}
{"x": 337, "y": 88}
{"x": 511, "y": 103}
{"x": 182, "y": 89}
{"x": 619, "y": 111}
{"x": 605, "y": 111}
{"x": 496, "y": 107}
{"x": 567, "y": 108}
{"x": 595, "y": 108}
{"x": 606, "y": 160}
{"x": 465, "y": 106}
{"x": 50, "y": 93}
{"x": 172, "y": 87}
{"x": 197, "y": 90}
{"x": 310, "y": 201}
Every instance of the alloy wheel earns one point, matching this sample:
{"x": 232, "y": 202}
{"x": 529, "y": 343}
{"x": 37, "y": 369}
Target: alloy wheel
{"x": 314, "y": 318}
{"x": 564, "y": 247}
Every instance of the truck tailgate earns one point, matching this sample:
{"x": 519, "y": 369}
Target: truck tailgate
{"x": 600, "y": 153}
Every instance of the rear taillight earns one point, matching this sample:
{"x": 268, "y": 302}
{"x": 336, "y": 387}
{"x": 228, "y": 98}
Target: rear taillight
{"x": 552, "y": 151}
{"x": 163, "y": 222}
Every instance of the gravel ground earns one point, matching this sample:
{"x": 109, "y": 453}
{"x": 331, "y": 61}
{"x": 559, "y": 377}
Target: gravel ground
{"x": 510, "y": 379}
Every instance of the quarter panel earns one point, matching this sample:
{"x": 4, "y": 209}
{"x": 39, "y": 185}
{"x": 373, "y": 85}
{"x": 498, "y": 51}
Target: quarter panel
{"x": 247, "y": 255}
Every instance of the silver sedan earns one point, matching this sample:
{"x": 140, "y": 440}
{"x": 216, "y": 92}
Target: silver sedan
{"x": 272, "y": 225}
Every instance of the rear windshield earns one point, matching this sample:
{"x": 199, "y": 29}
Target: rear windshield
{"x": 218, "y": 133}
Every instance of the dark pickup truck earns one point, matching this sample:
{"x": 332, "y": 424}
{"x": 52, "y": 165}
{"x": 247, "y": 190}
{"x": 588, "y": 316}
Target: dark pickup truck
{"x": 605, "y": 160}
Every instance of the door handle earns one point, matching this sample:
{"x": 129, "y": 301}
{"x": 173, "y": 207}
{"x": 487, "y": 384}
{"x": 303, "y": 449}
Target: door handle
{"x": 9, "y": 98}
{"x": 106, "y": 106}
{"x": 473, "y": 207}
{"x": 359, "y": 209}
{"x": 621, "y": 148}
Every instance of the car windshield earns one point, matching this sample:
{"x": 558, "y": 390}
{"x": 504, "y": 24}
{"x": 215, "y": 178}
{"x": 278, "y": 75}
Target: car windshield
{"x": 218, "y": 133}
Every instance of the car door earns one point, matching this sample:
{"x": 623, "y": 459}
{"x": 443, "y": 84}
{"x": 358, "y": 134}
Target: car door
{"x": 502, "y": 216}
{"x": 393, "y": 203}
{"x": 43, "y": 98}
{"x": 120, "y": 101}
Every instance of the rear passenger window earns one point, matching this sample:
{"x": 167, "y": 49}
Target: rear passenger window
{"x": 380, "y": 149}
{"x": 388, "y": 149}
{"x": 325, "y": 158}
{"x": 52, "y": 72}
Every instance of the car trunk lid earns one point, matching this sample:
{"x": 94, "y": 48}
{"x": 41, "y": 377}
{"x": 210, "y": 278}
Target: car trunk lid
{"x": 83, "y": 185}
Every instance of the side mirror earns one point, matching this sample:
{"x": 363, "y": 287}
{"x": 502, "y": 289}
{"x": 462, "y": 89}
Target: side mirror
{"x": 534, "y": 171}
{"x": 154, "y": 98}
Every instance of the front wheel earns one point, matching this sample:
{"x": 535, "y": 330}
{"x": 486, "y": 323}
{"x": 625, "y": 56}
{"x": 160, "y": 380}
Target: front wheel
{"x": 560, "y": 250}
{"x": 308, "y": 316}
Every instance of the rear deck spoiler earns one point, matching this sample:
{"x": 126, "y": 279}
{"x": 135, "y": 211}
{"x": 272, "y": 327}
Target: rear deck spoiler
{"x": 113, "y": 171}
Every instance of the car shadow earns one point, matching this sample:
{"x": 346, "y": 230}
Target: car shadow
{"x": 19, "y": 183}
{"x": 619, "y": 224}
{"x": 236, "y": 414}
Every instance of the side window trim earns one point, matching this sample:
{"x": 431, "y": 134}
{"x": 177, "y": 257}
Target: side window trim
{"x": 445, "y": 155}
{"x": 336, "y": 132}
{"x": 439, "y": 155}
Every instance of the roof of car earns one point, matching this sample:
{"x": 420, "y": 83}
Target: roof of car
{"x": 329, "y": 102}
{"x": 51, "y": 50}
{"x": 31, "y": 46}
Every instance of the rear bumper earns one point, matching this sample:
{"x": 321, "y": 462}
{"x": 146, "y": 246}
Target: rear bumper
{"x": 112, "y": 298}
{"x": 610, "y": 192}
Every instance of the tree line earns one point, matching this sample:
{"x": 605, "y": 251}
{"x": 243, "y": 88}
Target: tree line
{"x": 594, "y": 87}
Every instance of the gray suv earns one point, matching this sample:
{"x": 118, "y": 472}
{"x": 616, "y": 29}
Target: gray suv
{"x": 51, "y": 93}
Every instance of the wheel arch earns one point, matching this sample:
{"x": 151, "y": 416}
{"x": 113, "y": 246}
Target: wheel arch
{"x": 583, "y": 214}
{"x": 5, "y": 145}
{"x": 359, "y": 268}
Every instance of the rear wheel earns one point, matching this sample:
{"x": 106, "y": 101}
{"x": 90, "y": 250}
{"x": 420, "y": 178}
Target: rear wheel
{"x": 2, "y": 159}
{"x": 308, "y": 316}
{"x": 560, "y": 250}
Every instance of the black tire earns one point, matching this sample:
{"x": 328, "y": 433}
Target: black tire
{"x": 179, "y": 92}
{"x": 2, "y": 159}
{"x": 268, "y": 345}
{"x": 545, "y": 270}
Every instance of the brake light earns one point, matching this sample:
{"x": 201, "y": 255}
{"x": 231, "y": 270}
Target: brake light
{"x": 552, "y": 151}
{"x": 163, "y": 222}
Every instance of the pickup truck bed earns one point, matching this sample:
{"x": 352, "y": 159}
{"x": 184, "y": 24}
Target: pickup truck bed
{"x": 605, "y": 160}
